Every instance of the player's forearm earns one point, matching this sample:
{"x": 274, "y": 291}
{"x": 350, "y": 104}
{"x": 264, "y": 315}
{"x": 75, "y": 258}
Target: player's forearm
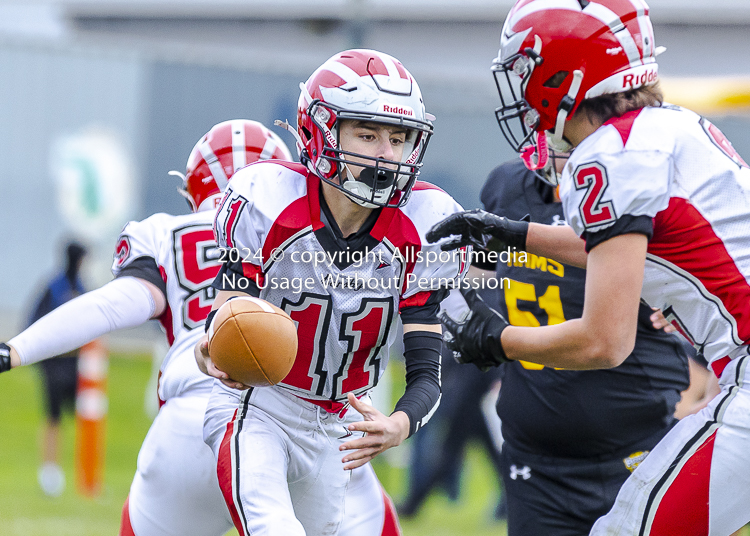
{"x": 557, "y": 242}
{"x": 122, "y": 303}
{"x": 605, "y": 335}
{"x": 570, "y": 345}
{"x": 422, "y": 350}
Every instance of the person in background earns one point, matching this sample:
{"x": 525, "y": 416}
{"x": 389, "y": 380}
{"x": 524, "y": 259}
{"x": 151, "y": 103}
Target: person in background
{"x": 571, "y": 437}
{"x": 59, "y": 376}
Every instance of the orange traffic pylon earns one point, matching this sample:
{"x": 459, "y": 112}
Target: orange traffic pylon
{"x": 91, "y": 416}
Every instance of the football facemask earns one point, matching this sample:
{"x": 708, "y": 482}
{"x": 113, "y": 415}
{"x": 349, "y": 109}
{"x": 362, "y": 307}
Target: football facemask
{"x": 381, "y": 182}
{"x": 371, "y": 87}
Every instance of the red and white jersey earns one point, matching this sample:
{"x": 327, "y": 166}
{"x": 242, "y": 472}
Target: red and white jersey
{"x": 674, "y": 166}
{"x": 187, "y": 258}
{"x": 346, "y": 311}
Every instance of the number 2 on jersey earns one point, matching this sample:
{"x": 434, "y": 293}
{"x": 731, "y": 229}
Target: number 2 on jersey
{"x": 364, "y": 331}
{"x": 549, "y": 302}
{"x": 592, "y": 177}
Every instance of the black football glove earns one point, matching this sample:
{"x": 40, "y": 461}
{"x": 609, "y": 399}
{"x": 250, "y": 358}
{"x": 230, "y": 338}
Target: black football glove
{"x": 482, "y": 230}
{"x": 4, "y": 357}
{"x": 476, "y": 338}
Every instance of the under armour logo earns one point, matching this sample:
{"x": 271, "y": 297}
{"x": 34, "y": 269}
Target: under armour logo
{"x": 558, "y": 221}
{"x": 524, "y": 472}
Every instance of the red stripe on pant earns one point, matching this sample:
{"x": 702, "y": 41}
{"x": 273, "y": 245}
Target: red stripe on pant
{"x": 126, "y": 529}
{"x": 225, "y": 473}
{"x": 390, "y": 520}
{"x": 684, "y": 508}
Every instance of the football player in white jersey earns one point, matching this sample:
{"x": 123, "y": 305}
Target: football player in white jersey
{"x": 336, "y": 241}
{"x": 163, "y": 269}
{"x": 662, "y": 203}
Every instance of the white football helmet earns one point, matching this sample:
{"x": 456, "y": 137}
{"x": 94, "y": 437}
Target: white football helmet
{"x": 368, "y": 86}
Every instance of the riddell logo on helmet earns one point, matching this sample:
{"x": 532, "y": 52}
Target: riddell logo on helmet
{"x": 400, "y": 110}
{"x": 330, "y": 138}
{"x": 633, "y": 81}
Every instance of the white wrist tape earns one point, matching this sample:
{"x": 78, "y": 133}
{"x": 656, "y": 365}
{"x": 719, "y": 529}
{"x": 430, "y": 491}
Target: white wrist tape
{"x": 123, "y": 303}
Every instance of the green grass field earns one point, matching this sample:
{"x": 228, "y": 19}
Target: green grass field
{"x": 25, "y": 511}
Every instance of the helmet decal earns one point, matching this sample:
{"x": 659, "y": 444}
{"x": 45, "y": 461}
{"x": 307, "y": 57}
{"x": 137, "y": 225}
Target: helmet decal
{"x": 217, "y": 172}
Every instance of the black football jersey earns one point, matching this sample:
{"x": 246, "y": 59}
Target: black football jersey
{"x": 567, "y": 413}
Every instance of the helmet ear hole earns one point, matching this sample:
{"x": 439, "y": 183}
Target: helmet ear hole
{"x": 556, "y": 80}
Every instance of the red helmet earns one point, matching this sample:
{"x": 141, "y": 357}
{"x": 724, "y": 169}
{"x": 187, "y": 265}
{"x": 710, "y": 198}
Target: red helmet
{"x": 556, "y": 53}
{"x": 369, "y": 86}
{"x": 223, "y": 150}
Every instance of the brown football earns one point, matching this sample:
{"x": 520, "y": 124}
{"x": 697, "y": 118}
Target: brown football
{"x": 253, "y": 341}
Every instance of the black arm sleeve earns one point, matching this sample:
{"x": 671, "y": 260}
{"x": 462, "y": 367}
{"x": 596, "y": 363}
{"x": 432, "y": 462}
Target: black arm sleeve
{"x": 625, "y": 225}
{"x": 422, "y": 351}
{"x": 145, "y": 268}
{"x": 426, "y": 313}
{"x": 232, "y": 278}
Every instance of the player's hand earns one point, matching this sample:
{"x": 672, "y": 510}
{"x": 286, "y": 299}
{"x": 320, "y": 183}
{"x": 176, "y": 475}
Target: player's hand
{"x": 476, "y": 337}
{"x": 381, "y": 433}
{"x": 659, "y": 322}
{"x": 206, "y": 365}
{"x": 480, "y": 229}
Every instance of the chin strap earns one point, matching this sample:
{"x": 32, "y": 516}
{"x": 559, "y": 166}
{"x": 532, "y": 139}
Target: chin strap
{"x": 182, "y": 191}
{"x": 174, "y": 173}
{"x": 560, "y": 146}
{"x": 566, "y": 105}
{"x": 293, "y": 131}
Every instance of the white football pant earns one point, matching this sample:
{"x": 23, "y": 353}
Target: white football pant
{"x": 175, "y": 490}
{"x": 696, "y": 481}
{"x": 280, "y": 467}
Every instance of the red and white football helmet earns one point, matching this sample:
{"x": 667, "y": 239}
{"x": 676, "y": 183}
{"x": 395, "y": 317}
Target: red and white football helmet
{"x": 369, "y": 86}
{"x": 224, "y": 149}
{"x": 556, "y": 53}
